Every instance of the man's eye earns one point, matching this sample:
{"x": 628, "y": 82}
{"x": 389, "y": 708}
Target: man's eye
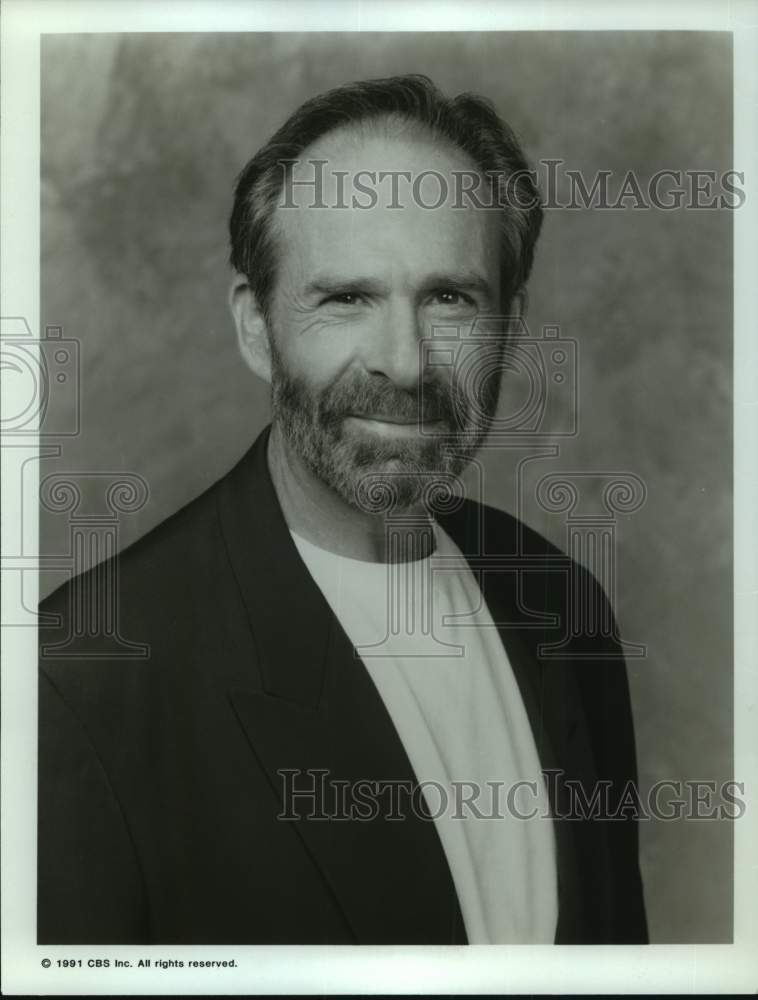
{"x": 343, "y": 298}
{"x": 450, "y": 297}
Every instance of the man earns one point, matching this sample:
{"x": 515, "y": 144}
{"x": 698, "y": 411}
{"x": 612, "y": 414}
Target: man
{"x": 345, "y": 662}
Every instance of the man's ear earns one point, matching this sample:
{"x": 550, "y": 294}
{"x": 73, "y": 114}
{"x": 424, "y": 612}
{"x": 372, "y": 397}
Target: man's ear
{"x": 520, "y": 303}
{"x": 252, "y": 332}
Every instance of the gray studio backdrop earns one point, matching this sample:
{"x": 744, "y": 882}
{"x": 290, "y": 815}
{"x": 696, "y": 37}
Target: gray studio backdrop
{"x": 142, "y": 137}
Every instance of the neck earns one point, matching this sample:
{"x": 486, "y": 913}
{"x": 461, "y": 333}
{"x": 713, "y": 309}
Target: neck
{"x": 320, "y": 515}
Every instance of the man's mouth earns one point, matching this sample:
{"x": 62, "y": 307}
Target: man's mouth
{"x": 393, "y": 422}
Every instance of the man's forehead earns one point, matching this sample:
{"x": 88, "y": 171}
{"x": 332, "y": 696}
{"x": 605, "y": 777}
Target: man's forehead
{"x": 379, "y": 165}
{"x": 366, "y": 197}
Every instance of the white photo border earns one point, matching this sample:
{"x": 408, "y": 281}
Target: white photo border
{"x": 368, "y": 969}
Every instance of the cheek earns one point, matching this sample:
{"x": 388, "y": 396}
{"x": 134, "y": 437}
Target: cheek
{"x": 317, "y": 357}
{"x": 319, "y": 348}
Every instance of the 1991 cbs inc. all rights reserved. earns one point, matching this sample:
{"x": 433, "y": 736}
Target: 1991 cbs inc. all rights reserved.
{"x": 142, "y": 963}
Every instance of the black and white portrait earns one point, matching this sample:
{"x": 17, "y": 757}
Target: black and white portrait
{"x": 384, "y": 588}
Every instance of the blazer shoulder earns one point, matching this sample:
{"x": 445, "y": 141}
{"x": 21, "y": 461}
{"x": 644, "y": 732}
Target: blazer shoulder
{"x": 547, "y": 578}
{"x": 174, "y": 544}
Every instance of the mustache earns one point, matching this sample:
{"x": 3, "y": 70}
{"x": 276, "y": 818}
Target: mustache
{"x": 427, "y": 402}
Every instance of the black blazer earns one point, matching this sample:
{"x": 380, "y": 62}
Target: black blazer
{"x": 159, "y": 788}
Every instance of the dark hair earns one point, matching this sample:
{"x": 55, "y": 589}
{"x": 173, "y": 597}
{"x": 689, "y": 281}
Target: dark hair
{"x": 467, "y": 121}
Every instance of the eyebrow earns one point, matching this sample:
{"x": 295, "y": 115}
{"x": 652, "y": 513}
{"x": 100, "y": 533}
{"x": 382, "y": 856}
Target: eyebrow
{"x": 328, "y": 285}
{"x": 463, "y": 281}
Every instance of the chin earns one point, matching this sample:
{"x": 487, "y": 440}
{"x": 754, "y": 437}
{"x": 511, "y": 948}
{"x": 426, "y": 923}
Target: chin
{"x": 393, "y": 487}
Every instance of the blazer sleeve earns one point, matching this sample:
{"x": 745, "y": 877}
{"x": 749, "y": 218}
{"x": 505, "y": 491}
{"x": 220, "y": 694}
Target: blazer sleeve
{"x": 605, "y": 694}
{"x": 90, "y": 888}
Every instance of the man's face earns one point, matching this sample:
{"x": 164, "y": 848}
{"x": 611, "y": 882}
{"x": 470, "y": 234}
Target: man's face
{"x": 357, "y": 291}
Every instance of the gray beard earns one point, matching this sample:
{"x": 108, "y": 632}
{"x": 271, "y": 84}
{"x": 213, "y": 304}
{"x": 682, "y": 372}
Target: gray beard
{"x": 381, "y": 476}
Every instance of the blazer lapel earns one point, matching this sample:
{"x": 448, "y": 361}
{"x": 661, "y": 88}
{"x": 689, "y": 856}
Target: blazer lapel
{"x": 317, "y": 710}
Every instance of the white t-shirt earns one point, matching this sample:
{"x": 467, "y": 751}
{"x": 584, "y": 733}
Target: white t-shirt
{"x": 428, "y": 641}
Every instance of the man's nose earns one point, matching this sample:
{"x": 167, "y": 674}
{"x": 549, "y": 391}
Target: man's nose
{"x": 395, "y": 352}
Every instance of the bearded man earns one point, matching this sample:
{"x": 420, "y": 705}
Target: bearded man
{"x": 349, "y": 728}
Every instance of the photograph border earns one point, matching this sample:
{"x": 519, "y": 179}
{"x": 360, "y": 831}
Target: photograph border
{"x": 368, "y": 969}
